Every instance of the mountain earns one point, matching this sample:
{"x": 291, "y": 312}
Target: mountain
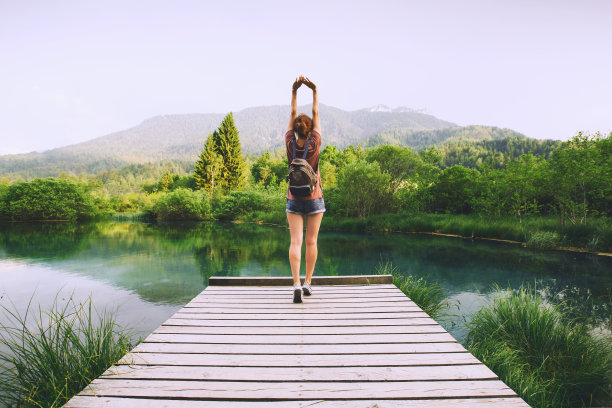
{"x": 182, "y": 137}
{"x": 421, "y": 139}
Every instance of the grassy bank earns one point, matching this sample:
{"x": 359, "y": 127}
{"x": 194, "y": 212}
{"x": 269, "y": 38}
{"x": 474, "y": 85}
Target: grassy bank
{"x": 548, "y": 359}
{"x": 541, "y": 232}
{"x": 47, "y": 358}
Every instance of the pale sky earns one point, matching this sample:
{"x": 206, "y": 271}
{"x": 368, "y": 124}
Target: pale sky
{"x": 75, "y": 70}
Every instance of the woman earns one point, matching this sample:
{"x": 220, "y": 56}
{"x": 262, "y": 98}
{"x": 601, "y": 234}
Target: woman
{"x": 304, "y": 132}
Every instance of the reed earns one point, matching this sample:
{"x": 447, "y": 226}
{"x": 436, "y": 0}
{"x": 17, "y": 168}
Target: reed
{"x": 548, "y": 359}
{"x": 49, "y": 357}
{"x": 429, "y": 296}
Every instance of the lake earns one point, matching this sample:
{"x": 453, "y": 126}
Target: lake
{"x": 146, "y": 272}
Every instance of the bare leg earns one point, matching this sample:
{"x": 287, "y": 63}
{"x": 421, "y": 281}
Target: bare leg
{"x": 296, "y": 228}
{"x": 313, "y": 222}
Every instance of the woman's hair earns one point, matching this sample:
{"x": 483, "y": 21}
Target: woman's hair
{"x": 302, "y": 126}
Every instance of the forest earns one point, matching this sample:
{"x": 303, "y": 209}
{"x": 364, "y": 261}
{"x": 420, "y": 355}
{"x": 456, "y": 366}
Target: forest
{"x": 544, "y": 193}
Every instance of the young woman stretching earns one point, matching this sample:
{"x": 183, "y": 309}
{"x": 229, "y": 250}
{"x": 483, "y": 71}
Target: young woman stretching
{"x": 301, "y": 130}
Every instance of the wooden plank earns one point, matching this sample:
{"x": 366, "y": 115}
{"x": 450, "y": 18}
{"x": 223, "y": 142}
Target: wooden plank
{"x": 289, "y": 300}
{"x": 289, "y": 293}
{"x": 298, "y": 323}
{"x": 282, "y": 288}
{"x": 289, "y": 349}
{"x": 432, "y": 328}
{"x": 303, "y": 310}
{"x": 329, "y": 374}
{"x": 301, "y": 390}
{"x": 302, "y": 339}
{"x": 278, "y": 349}
{"x": 316, "y": 280}
{"x": 316, "y": 289}
{"x": 305, "y": 316}
{"x": 301, "y": 306}
{"x": 302, "y": 360}
{"x": 82, "y": 401}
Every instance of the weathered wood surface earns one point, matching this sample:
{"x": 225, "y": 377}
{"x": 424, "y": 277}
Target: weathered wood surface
{"x": 357, "y": 344}
{"x": 287, "y": 281}
{"x": 113, "y": 402}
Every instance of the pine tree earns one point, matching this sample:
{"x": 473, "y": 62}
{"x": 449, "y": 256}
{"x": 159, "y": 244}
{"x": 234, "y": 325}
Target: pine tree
{"x": 227, "y": 144}
{"x": 166, "y": 182}
{"x": 208, "y": 167}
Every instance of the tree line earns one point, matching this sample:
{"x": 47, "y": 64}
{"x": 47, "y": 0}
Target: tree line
{"x": 509, "y": 177}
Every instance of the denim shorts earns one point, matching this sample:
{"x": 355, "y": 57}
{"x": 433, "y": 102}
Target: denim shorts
{"x": 306, "y": 207}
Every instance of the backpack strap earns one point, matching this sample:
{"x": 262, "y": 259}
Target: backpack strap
{"x": 305, "y": 148}
{"x": 316, "y": 169}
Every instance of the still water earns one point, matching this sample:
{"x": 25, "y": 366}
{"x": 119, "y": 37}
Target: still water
{"x": 146, "y": 272}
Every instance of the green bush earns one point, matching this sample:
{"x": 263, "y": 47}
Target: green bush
{"x": 47, "y": 199}
{"x": 243, "y": 203}
{"x": 363, "y": 189}
{"x": 546, "y": 358}
{"x": 182, "y": 204}
{"x": 45, "y": 364}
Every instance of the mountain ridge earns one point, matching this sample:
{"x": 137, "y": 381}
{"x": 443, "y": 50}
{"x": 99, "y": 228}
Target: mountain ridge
{"x": 182, "y": 137}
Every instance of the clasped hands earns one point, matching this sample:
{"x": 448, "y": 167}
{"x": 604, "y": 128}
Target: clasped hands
{"x": 303, "y": 80}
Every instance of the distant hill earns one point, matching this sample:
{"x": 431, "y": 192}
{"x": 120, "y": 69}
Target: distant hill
{"x": 419, "y": 140}
{"x": 181, "y": 137}
{"x": 496, "y": 152}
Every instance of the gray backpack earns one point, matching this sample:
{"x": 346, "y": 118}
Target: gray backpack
{"x": 302, "y": 178}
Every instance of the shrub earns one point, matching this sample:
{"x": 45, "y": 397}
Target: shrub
{"x": 241, "y": 203}
{"x": 182, "y": 204}
{"x": 547, "y": 359}
{"x": 47, "y": 365}
{"x": 363, "y": 190}
{"x": 47, "y": 199}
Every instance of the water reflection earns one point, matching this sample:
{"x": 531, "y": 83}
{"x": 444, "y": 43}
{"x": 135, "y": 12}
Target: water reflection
{"x": 168, "y": 264}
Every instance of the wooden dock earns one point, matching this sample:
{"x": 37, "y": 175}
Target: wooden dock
{"x": 242, "y": 343}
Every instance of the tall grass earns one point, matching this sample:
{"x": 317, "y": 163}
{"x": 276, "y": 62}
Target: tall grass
{"x": 549, "y": 360}
{"x": 429, "y": 296}
{"x": 61, "y": 351}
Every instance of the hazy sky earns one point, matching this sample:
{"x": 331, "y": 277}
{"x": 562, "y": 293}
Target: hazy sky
{"x": 74, "y": 70}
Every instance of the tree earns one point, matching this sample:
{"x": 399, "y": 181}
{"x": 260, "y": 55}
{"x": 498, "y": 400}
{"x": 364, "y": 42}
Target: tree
{"x": 401, "y": 163}
{"x": 227, "y": 146}
{"x": 166, "y": 182}
{"x": 453, "y": 189}
{"x": 267, "y": 171}
{"x": 525, "y": 182}
{"x": 581, "y": 171}
{"x": 364, "y": 189}
{"x": 208, "y": 167}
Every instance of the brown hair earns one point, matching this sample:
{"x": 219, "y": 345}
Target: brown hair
{"x": 302, "y": 126}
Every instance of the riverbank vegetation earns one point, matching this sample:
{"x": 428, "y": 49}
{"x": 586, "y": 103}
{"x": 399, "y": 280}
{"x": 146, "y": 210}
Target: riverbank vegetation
{"x": 427, "y": 295}
{"x": 549, "y": 359}
{"x": 544, "y": 194}
{"x": 47, "y": 358}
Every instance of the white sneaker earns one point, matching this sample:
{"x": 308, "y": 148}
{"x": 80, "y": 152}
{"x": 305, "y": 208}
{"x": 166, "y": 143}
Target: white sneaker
{"x": 297, "y": 293}
{"x": 307, "y": 289}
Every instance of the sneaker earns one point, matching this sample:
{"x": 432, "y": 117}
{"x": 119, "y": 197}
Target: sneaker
{"x": 297, "y": 293}
{"x": 307, "y": 289}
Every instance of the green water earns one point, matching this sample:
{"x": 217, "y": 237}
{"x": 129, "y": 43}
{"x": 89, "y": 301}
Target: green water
{"x": 146, "y": 272}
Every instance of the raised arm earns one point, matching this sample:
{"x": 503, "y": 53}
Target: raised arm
{"x": 296, "y": 85}
{"x": 316, "y": 121}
